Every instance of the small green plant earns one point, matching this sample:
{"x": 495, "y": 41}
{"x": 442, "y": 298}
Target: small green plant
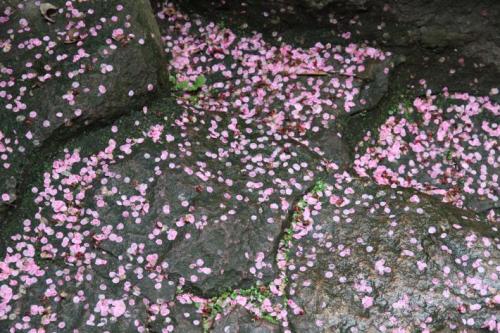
{"x": 255, "y": 294}
{"x": 393, "y": 110}
{"x": 222, "y": 24}
{"x": 187, "y": 86}
{"x": 270, "y": 318}
{"x": 400, "y": 101}
{"x": 449, "y": 155}
{"x": 407, "y": 103}
{"x": 302, "y": 204}
{"x": 179, "y": 290}
{"x": 320, "y": 186}
{"x": 444, "y": 103}
{"x": 194, "y": 99}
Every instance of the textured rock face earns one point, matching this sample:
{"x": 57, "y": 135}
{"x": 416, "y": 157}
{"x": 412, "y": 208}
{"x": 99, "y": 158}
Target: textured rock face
{"x": 379, "y": 259}
{"x": 233, "y": 205}
{"x": 204, "y": 212}
{"x": 435, "y": 24}
{"x": 241, "y": 321}
{"x": 321, "y": 4}
{"x": 150, "y": 217}
{"x": 80, "y": 64}
{"x": 441, "y": 145}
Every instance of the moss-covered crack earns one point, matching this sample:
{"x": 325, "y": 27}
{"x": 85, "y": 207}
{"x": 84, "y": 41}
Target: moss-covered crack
{"x": 261, "y": 296}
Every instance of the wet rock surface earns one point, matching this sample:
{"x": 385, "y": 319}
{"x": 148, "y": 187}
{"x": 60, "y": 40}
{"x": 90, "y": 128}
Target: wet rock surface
{"x": 331, "y": 171}
{"x": 79, "y": 65}
{"x": 381, "y": 259}
{"x": 440, "y": 145}
{"x": 442, "y": 25}
{"x": 450, "y": 43}
{"x": 240, "y": 320}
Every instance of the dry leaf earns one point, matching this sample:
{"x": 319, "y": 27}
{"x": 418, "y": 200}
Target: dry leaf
{"x": 48, "y": 10}
{"x": 72, "y": 36}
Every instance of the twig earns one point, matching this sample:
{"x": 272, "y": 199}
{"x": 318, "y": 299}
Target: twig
{"x": 322, "y": 73}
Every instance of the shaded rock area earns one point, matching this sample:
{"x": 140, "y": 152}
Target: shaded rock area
{"x": 78, "y": 65}
{"x": 442, "y": 24}
{"x": 249, "y": 167}
{"x": 450, "y": 43}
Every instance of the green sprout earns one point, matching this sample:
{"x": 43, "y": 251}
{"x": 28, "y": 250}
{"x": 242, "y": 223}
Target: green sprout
{"x": 256, "y": 294}
{"x": 393, "y": 110}
{"x": 320, "y": 186}
{"x": 186, "y": 86}
{"x": 449, "y": 155}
